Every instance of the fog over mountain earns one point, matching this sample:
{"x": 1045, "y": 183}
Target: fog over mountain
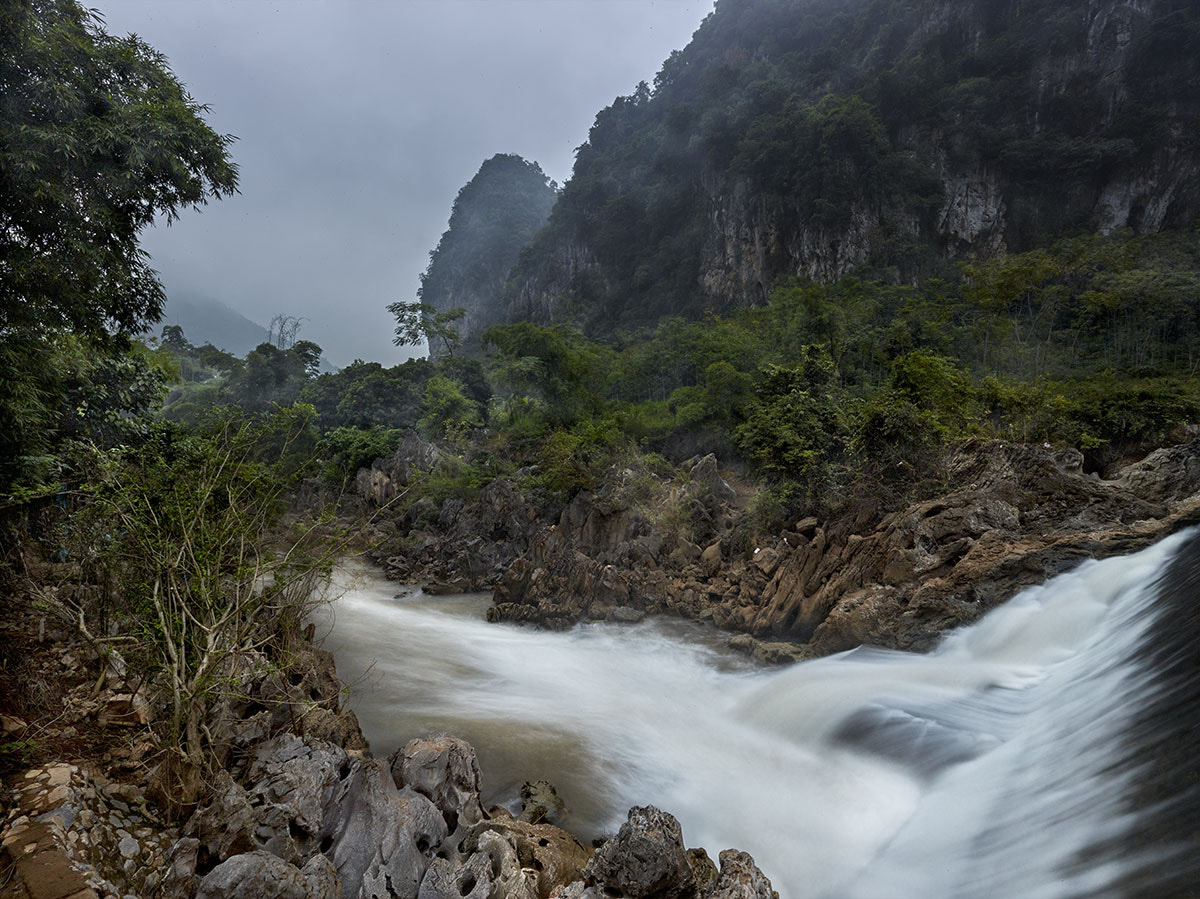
{"x": 358, "y": 123}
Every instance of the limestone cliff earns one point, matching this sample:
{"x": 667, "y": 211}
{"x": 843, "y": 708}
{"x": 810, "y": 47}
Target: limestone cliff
{"x": 810, "y": 139}
{"x": 494, "y": 216}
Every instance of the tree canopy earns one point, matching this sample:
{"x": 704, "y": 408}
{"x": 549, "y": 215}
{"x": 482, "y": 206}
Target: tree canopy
{"x": 97, "y": 138}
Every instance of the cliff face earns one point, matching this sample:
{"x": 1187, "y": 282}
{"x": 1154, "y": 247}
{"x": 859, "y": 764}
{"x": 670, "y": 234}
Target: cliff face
{"x": 494, "y": 216}
{"x": 800, "y": 138}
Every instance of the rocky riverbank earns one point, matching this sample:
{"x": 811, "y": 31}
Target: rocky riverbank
{"x": 1015, "y": 515}
{"x": 301, "y": 809}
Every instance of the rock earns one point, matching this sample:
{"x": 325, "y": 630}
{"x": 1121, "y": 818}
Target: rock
{"x": 259, "y": 874}
{"x": 448, "y": 588}
{"x": 711, "y": 558}
{"x": 491, "y": 870}
{"x": 321, "y": 878}
{"x": 1166, "y": 475}
{"x": 540, "y": 803}
{"x": 740, "y": 879}
{"x": 554, "y": 856}
{"x": 380, "y": 838}
{"x": 710, "y": 487}
{"x": 128, "y": 847}
{"x": 11, "y": 725}
{"x": 386, "y": 478}
{"x": 646, "y": 858}
{"x": 444, "y": 770}
{"x": 704, "y": 872}
{"x": 179, "y": 868}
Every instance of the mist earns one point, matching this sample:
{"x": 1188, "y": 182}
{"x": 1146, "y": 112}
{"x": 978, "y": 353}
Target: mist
{"x": 358, "y": 123}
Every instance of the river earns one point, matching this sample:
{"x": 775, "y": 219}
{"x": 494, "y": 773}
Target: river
{"x": 983, "y": 769}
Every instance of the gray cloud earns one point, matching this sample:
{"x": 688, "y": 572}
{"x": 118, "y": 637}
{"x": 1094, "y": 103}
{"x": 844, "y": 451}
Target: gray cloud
{"x": 358, "y": 122}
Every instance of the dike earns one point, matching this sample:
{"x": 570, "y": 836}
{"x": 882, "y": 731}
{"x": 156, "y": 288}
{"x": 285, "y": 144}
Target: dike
{"x": 1019, "y": 515}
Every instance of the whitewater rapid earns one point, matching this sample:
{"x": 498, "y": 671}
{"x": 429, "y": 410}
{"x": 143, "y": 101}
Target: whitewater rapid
{"x": 987, "y": 768}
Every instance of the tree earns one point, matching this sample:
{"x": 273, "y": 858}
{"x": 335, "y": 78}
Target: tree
{"x": 418, "y": 323}
{"x": 97, "y": 139}
{"x": 210, "y": 589}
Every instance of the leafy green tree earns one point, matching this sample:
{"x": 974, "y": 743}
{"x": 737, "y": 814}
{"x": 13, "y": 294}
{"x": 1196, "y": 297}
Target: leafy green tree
{"x": 796, "y": 428}
{"x": 421, "y": 323}
{"x": 449, "y": 412}
{"x": 97, "y": 139}
{"x": 556, "y": 365}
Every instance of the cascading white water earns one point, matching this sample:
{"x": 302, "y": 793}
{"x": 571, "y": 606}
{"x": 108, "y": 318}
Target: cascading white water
{"x": 982, "y": 769}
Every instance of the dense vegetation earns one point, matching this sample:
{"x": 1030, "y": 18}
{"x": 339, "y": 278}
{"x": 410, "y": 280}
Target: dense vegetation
{"x": 496, "y": 214}
{"x": 156, "y": 473}
{"x": 837, "y": 122}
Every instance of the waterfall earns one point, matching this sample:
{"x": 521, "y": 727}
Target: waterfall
{"x": 1049, "y": 750}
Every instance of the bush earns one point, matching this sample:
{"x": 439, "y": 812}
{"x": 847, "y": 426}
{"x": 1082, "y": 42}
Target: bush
{"x": 187, "y": 525}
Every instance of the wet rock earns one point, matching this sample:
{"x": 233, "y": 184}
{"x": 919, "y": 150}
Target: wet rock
{"x": 540, "y": 803}
{"x": 444, "y": 770}
{"x": 646, "y": 858}
{"x": 740, "y": 879}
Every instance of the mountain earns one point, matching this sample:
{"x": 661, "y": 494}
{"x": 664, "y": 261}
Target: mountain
{"x": 886, "y": 137}
{"x": 206, "y": 320}
{"x": 496, "y": 214}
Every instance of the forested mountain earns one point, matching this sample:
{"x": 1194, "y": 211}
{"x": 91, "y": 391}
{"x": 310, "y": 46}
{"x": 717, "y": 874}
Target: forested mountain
{"x": 206, "y": 320}
{"x": 885, "y": 137}
{"x": 496, "y": 214}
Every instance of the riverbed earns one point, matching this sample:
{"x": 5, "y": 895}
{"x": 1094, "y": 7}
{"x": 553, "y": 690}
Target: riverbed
{"x": 981, "y": 769}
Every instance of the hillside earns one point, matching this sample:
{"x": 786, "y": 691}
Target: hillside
{"x": 495, "y": 214}
{"x": 206, "y": 320}
{"x": 816, "y": 138}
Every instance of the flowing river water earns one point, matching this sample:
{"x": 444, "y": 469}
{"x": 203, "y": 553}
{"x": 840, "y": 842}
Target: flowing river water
{"x": 995, "y": 766}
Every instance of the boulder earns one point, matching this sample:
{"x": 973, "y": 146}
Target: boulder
{"x": 556, "y": 856}
{"x": 259, "y": 874}
{"x": 645, "y": 859}
{"x": 540, "y": 803}
{"x": 491, "y": 870}
{"x": 380, "y": 838}
{"x": 740, "y": 879}
{"x": 444, "y": 770}
{"x": 1166, "y": 475}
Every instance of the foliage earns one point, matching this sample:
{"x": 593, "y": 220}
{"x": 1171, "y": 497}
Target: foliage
{"x": 555, "y": 366}
{"x": 98, "y": 139}
{"x": 796, "y": 427}
{"x": 61, "y": 389}
{"x": 495, "y": 214}
{"x": 421, "y": 323}
{"x": 187, "y": 524}
{"x": 343, "y": 451}
{"x": 448, "y": 412}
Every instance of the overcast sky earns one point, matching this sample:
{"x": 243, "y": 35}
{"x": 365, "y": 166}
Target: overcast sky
{"x": 358, "y": 122}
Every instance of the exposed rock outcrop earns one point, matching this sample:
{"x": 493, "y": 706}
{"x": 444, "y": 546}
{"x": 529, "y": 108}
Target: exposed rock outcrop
{"x": 986, "y": 177}
{"x": 1018, "y": 515}
{"x": 647, "y": 860}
